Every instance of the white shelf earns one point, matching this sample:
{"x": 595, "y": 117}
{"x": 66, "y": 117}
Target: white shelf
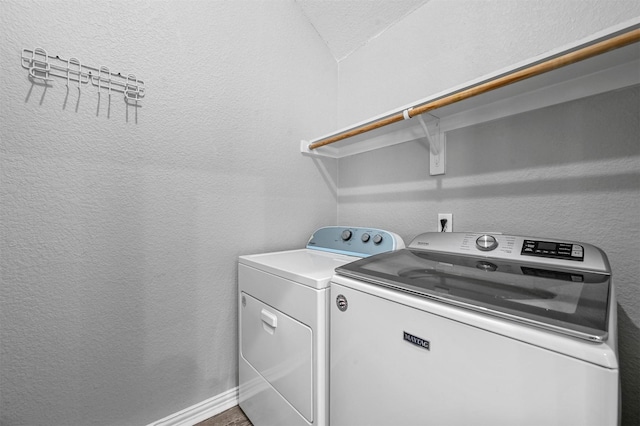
{"x": 609, "y": 71}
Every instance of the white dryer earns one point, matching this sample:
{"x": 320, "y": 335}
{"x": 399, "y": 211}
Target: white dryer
{"x": 284, "y": 323}
{"x": 474, "y": 329}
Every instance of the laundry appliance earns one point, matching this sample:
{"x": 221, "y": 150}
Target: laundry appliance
{"x": 284, "y": 319}
{"x": 475, "y": 329}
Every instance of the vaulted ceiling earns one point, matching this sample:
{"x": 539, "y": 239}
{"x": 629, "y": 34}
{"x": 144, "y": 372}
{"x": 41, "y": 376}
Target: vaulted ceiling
{"x": 346, "y": 25}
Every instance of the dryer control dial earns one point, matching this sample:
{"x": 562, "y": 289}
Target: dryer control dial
{"x": 486, "y": 242}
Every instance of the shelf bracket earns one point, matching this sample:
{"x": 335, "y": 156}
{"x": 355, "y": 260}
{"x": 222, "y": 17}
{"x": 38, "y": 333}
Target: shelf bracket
{"x": 437, "y": 146}
{"x": 304, "y": 150}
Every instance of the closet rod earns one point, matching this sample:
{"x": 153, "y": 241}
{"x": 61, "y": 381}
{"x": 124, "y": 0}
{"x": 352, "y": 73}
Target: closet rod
{"x": 533, "y": 70}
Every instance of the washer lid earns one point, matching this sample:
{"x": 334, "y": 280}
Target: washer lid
{"x": 573, "y": 302}
{"x": 312, "y": 268}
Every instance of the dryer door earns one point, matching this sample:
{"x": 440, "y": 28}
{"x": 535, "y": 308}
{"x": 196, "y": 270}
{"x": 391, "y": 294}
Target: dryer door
{"x": 280, "y": 349}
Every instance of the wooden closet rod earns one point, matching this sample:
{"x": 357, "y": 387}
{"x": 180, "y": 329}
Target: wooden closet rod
{"x": 569, "y": 58}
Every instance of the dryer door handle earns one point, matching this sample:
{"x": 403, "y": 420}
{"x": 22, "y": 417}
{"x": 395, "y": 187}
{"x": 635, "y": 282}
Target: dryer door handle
{"x": 269, "y": 318}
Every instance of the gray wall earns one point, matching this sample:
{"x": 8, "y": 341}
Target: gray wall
{"x": 568, "y": 171}
{"x": 120, "y": 228}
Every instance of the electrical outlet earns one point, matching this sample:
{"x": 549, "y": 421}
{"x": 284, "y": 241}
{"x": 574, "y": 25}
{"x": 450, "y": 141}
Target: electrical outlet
{"x": 445, "y": 222}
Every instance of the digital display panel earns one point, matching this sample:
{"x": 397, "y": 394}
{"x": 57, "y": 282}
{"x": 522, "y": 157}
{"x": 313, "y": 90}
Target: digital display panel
{"x": 552, "y": 249}
{"x": 542, "y": 245}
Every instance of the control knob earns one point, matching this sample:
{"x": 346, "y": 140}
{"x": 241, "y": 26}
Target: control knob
{"x": 365, "y": 237}
{"x": 377, "y": 239}
{"x": 486, "y": 242}
{"x": 346, "y": 235}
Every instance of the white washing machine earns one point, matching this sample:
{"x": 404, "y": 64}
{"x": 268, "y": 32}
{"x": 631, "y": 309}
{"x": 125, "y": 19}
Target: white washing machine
{"x": 284, "y": 322}
{"x": 475, "y": 329}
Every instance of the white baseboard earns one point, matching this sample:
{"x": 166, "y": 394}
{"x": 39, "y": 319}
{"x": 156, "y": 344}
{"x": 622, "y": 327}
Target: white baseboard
{"x": 201, "y": 411}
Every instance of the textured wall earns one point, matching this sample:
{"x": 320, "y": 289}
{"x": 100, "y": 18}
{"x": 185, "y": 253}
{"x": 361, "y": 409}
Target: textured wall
{"x": 120, "y": 228}
{"x": 446, "y": 43}
{"x": 568, "y": 171}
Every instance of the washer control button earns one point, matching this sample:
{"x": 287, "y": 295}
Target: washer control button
{"x": 365, "y": 237}
{"x": 486, "y": 243}
{"x": 577, "y": 251}
{"x": 346, "y": 235}
{"x": 377, "y": 239}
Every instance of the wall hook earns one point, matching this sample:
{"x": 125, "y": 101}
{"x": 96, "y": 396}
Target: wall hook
{"x": 75, "y": 61}
{"x": 131, "y": 89}
{"x": 108, "y": 79}
{"x": 43, "y": 67}
{"x": 38, "y": 68}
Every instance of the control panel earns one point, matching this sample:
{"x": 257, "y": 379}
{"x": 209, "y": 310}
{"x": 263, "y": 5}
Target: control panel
{"x": 512, "y": 247}
{"x": 569, "y": 251}
{"x": 354, "y": 241}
